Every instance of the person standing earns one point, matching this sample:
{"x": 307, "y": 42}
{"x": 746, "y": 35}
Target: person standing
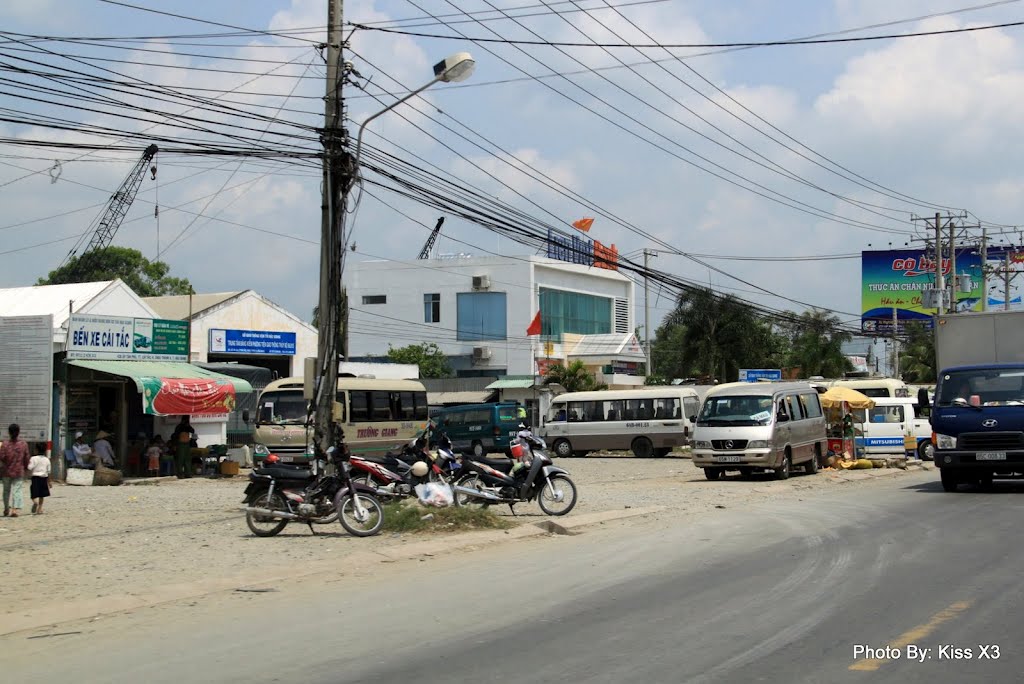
{"x": 182, "y": 440}
{"x": 39, "y": 469}
{"x": 13, "y": 461}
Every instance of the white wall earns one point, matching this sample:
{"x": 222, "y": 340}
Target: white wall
{"x": 400, "y": 322}
{"x": 249, "y": 311}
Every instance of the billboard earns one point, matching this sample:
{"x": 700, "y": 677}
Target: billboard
{"x": 894, "y": 280}
{"x": 127, "y": 339}
{"x": 252, "y": 342}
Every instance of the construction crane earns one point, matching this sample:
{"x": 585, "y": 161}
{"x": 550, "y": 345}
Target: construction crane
{"x": 117, "y": 208}
{"x": 429, "y": 245}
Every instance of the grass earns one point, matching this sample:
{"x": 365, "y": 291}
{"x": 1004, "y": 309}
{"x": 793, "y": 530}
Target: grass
{"x": 407, "y": 516}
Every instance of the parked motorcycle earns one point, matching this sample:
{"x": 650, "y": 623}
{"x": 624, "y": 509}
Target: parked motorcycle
{"x": 396, "y": 476}
{"x": 529, "y": 474}
{"x": 279, "y": 494}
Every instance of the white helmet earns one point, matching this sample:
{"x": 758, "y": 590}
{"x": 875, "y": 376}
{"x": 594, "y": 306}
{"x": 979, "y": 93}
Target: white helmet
{"x": 419, "y": 468}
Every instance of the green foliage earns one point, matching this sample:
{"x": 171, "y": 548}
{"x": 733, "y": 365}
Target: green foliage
{"x": 816, "y": 344}
{"x": 146, "y": 278}
{"x": 574, "y": 378}
{"x": 407, "y": 516}
{"x": 657, "y": 380}
{"x": 917, "y": 355}
{"x": 428, "y": 356}
{"x": 710, "y": 336}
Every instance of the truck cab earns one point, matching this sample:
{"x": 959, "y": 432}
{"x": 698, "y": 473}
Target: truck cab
{"x": 978, "y": 423}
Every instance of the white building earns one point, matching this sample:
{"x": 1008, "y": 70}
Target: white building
{"x": 241, "y": 327}
{"x": 478, "y": 310}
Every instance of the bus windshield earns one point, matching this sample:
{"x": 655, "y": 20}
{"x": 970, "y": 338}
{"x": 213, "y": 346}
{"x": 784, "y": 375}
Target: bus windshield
{"x": 735, "y": 410}
{"x": 282, "y": 408}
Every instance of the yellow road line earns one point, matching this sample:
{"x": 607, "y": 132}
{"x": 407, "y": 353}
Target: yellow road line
{"x": 914, "y": 635}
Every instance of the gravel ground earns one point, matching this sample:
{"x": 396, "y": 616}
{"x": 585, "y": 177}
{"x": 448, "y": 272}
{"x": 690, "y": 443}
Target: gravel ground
{"x": 103, "y": 541}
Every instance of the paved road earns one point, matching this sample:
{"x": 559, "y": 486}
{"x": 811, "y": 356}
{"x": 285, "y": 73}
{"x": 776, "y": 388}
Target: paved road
{"x": 777, "y": 593}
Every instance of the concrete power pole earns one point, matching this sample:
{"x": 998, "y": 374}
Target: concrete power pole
{"x": 336, "y": 178}
{"x": 952, "y": 267}
{"x": 984, "y": 268}
{"x": 940, "y": 283}
{"x": 647, "y": 314}
{"x": 895, "y": 346}
{"x": 1006, "y": 282}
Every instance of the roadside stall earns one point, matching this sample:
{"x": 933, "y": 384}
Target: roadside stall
{"x": 844, "y": 409}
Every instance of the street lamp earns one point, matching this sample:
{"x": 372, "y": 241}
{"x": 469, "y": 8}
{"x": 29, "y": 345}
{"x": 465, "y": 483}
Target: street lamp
{"x": 453, "y": 69}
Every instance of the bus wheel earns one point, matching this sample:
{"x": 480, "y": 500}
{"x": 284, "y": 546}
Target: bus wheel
{"x": 642, "y": 447}
{"x": 562, "y": 448}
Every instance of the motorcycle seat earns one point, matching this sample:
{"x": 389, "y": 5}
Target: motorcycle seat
{"x": 285, "y": 472}
{"x": 389, "y": 462}
{"x": 502, "y": 464}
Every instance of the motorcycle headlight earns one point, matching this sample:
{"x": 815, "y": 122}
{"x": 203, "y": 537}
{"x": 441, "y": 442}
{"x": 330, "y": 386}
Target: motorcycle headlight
{"x": 944, "y": 442}
{"x": 701, "y": 444}
{"x": 757, "y": 444}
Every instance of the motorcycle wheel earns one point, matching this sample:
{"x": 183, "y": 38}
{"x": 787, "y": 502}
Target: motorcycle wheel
{"x": 469, "y": 482}
{"x": 261, "y": 525}
{"x": 547, "y": 500}
{"x": 349, "y": 517}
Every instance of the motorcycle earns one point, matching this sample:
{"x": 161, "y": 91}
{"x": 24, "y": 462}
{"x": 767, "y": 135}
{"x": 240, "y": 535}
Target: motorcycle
{"x": 396, "y": 476}
{"x": 528, "y": 475}
{"x": 279, "y": 494}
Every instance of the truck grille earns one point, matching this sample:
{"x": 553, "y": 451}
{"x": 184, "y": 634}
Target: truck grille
{"x": 1000, "y": 441}
{"x": 729, "y": 444}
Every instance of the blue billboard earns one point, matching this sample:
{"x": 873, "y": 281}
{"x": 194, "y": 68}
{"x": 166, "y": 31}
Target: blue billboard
{"x": 756, "y": 374}
{"x": 252, "y": 342}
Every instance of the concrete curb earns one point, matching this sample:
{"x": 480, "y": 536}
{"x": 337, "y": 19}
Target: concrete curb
{"x": 52, "y": 615}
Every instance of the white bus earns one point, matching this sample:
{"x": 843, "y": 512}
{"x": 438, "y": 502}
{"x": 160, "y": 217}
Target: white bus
{"x": 648, "y": 421}
{"x": 874, "y": 387}
{"x": 377, "y": 416}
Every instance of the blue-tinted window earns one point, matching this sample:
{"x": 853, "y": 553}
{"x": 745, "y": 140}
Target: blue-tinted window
{"x": 481, "y": 316}
{"x": 574, "y": 313}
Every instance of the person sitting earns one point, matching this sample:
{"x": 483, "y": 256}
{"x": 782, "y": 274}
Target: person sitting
{"x": 102, "y": 451}
{"x": 81, "y": 450}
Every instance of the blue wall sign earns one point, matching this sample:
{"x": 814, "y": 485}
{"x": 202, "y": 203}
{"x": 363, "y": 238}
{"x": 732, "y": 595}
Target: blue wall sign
{"x": 755, "y": 374}
{"x": 252, "y": 342}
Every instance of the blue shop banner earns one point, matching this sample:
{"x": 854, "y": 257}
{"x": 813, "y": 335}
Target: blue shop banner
{"x": 252, "y": 342}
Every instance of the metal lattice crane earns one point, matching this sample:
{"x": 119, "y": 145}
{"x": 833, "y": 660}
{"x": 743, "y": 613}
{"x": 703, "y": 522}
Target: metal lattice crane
{"x": 429, "y": 245}
{"x": 118, "y": 206}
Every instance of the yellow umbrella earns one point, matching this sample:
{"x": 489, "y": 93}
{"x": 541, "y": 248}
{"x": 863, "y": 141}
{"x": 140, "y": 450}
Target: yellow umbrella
{"x": 837, "y": 396}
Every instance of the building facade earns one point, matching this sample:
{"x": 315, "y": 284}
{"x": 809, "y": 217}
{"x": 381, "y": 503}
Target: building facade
{"x": 478, "y": 311}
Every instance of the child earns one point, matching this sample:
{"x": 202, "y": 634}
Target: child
{"x": 39, "y": 468}
{"x": 153, "y": 454}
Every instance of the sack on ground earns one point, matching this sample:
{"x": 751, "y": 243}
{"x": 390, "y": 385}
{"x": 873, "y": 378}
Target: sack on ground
{"x": 435, "y": 494}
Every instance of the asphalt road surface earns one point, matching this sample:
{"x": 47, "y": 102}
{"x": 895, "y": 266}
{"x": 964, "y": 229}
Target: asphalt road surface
{"x": 794, "y": 591}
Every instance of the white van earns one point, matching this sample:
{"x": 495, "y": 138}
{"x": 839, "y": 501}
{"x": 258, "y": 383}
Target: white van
{"x": 875, "y": 387}
{"x": 894, "y": 426}
{"x": 756, "y": 427}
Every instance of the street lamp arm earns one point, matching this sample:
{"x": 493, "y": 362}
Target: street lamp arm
{"x": 362, "y": 126}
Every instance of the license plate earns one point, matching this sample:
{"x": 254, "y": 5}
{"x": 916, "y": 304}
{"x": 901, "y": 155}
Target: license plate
{"x": 991, "y": 456}
{"x": 286, "y": 459}
{"x": 728, "y": 459}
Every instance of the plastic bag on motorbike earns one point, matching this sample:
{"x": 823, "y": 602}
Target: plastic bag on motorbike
{"x": 437, "y": 494}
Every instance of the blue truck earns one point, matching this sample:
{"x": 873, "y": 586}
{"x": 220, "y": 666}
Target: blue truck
{"x": 977, "y": 417}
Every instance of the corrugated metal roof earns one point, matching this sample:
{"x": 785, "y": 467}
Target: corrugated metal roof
{"x": 40, "y": 300}
{"x": 158, "y": 369}
{"x": 466, "y": 397}
{"x": 177, "y": 307}
{"x": 513, "y": 382}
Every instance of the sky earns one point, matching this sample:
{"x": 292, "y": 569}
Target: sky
{"x": 704, "y": 151}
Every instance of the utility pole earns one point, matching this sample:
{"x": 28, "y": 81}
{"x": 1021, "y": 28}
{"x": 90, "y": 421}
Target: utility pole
{"x": 940, "y": 283}
{"x": 952, "y": 266}
{"x": 1006, "y": 282}
{"x": 895, "y": 346}
{"x": 336, "y": 179}
{"x": 984, "y": 268}
{"x": 647, "y": 313}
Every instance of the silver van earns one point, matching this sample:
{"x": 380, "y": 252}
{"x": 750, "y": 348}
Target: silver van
{"x": 758, "y": 427}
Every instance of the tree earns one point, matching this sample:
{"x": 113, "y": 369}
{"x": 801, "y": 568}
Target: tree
{"x": 816, "y": 344}
{"x": 574, "y": 378}
{"x": 917, "y": 357}
{"x": 428, "y": 356}
{"x": 146, "y": 278}
{"x": 712, "y": 336}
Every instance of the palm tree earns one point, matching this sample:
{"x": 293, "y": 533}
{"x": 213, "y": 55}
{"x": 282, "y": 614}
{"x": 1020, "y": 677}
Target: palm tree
{"x": 817, "y": 344}
{"x": 574, "y": 378}
{"x": 917, "y": 358}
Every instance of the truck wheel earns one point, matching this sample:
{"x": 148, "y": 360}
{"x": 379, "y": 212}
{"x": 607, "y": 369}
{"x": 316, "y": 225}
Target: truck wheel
{"x": 950, "y": 480}
{"x": 926, "y": 451}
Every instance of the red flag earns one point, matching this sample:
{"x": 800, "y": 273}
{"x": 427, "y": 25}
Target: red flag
{"x": 534, "y": 328}
{"x": 583, "y": 224}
